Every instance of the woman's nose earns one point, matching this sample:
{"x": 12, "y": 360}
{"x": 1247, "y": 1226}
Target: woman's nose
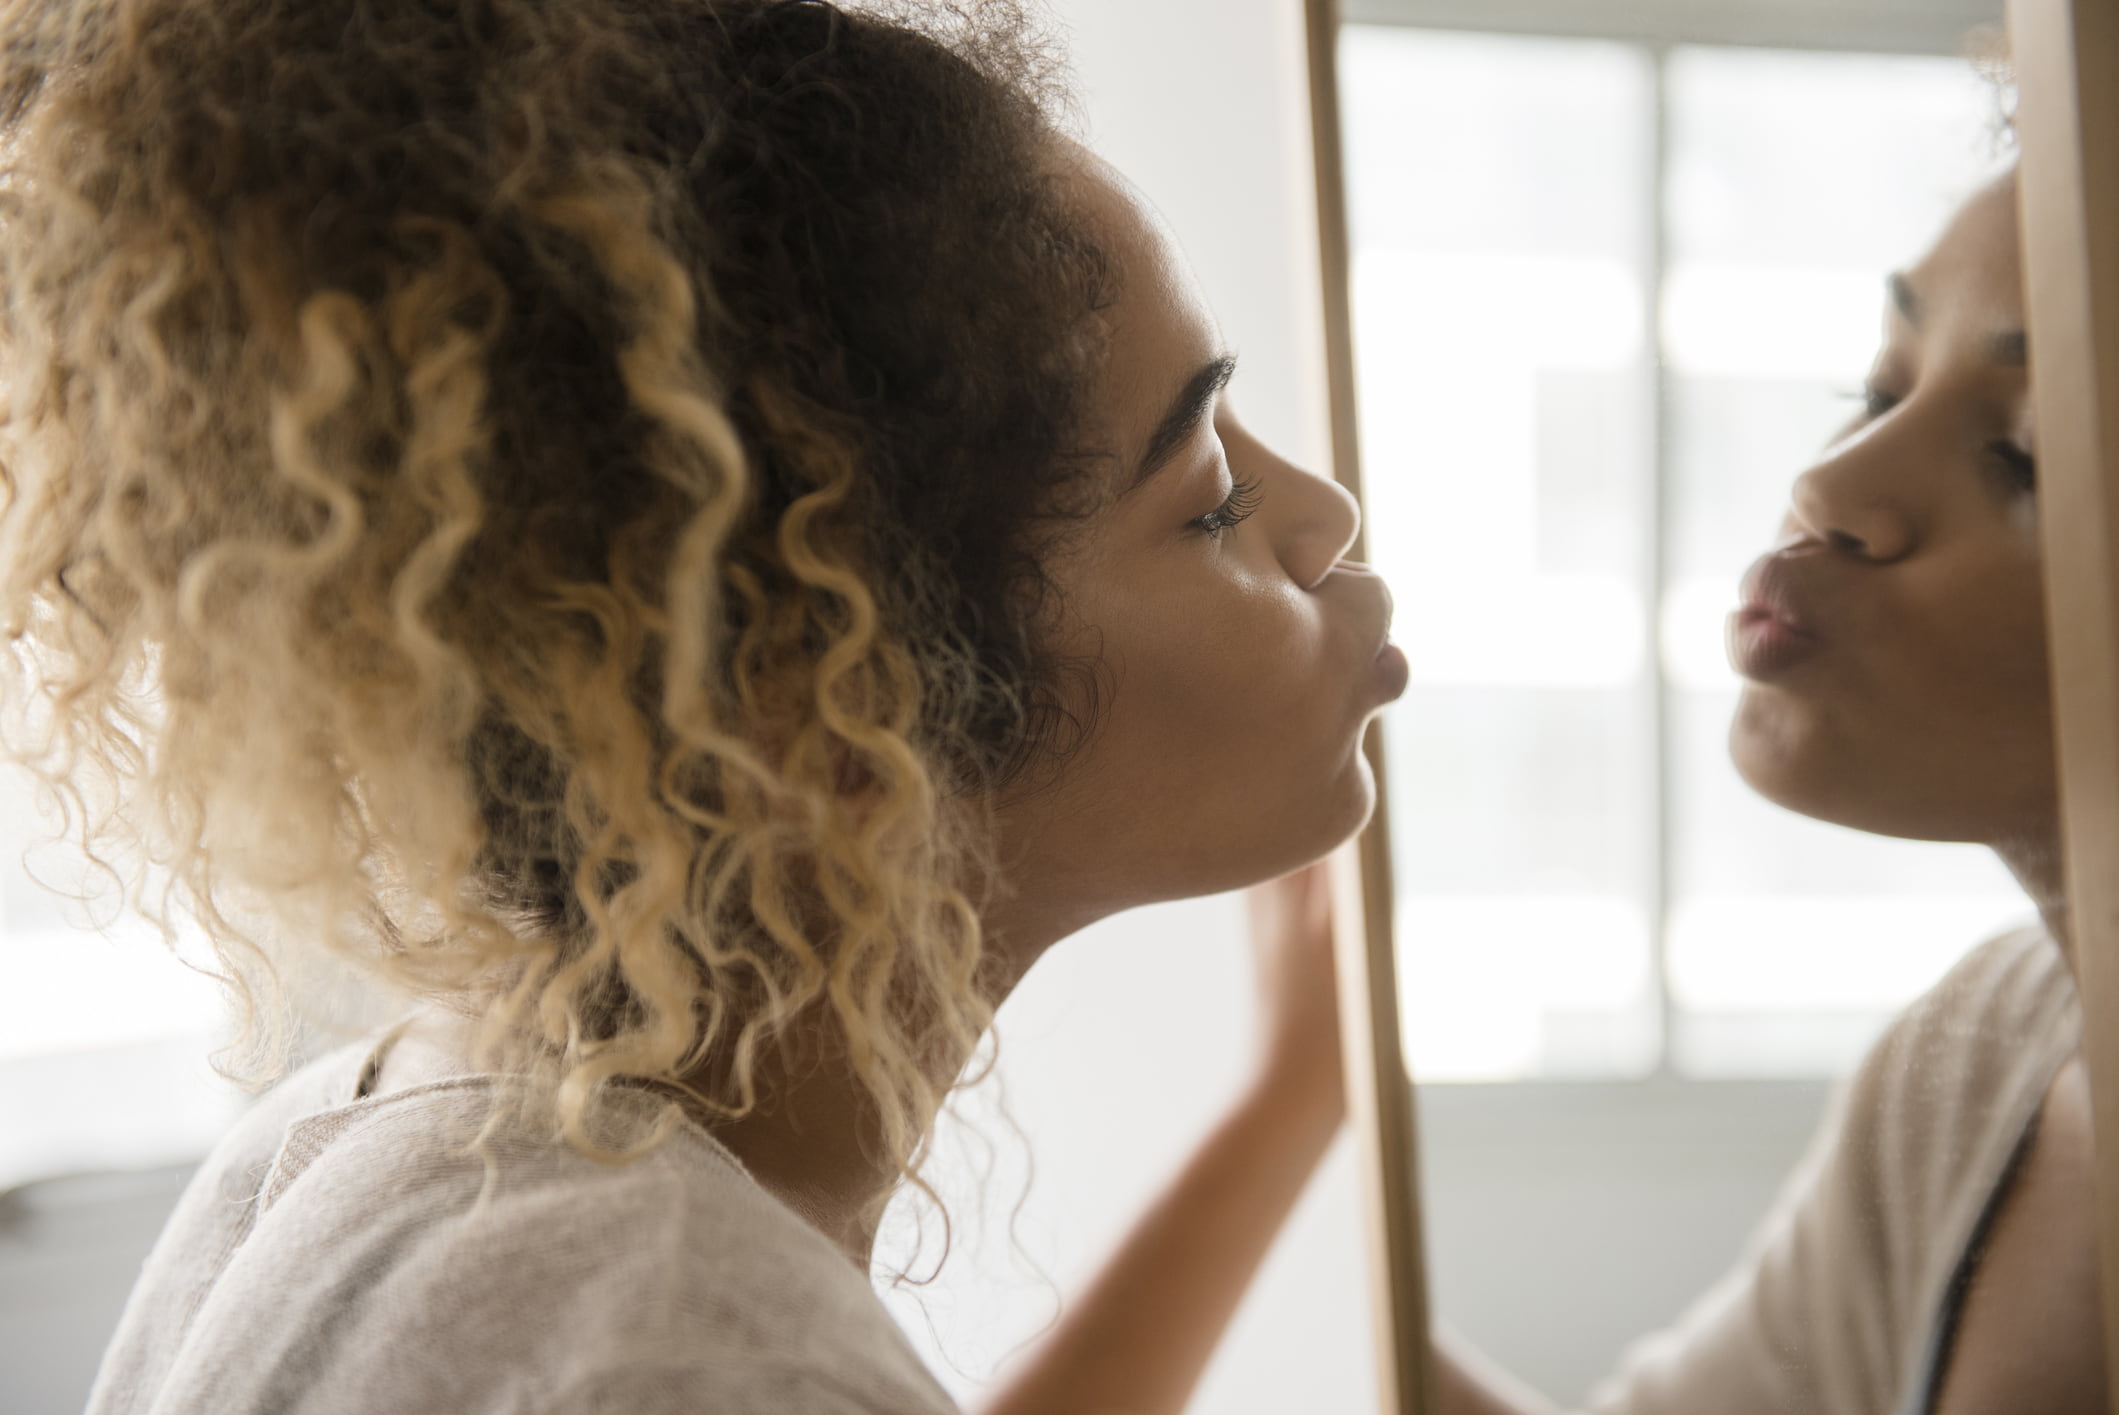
{"x": 1324, "y": 532}
{"x": 1849, "y": 501}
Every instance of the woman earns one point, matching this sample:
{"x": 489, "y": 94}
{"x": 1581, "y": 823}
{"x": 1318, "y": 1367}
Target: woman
{"x": 695, "y": 538}
{"x": 1936, "y": 1252}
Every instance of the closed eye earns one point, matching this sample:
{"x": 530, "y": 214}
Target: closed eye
{"x": 1875, "y": 402}
{"x": 2021, "y": 466}
{"x": 1244, "y": 498}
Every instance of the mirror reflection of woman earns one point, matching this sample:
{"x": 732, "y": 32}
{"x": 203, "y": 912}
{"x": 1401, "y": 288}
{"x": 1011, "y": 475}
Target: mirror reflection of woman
{"x": 1936, "y": 1251}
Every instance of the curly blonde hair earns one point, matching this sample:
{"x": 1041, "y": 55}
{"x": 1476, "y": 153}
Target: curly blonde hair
{"x": 544, "y": 499}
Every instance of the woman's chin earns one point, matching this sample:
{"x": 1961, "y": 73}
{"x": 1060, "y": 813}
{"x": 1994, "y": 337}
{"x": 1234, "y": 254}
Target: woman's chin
{"x": 1352, "y": 805}
{"x": 1776, "y": 746}
{"x": 1857, "y": 786}
{"x": 1786, "y": 765}
{"x": 1300, "y": 833}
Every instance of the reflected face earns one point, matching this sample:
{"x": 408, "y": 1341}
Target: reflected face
{"x": 1893, "y": 642}
{"x": 1238, "y": 655}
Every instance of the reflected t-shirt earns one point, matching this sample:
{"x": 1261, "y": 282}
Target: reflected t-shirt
{"x": 1836, "y": 1305}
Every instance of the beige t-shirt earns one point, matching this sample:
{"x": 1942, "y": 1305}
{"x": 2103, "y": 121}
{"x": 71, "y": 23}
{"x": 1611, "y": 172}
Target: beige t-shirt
{"x": 1834, "y": 1308}
{"x": 327, "y": 1259}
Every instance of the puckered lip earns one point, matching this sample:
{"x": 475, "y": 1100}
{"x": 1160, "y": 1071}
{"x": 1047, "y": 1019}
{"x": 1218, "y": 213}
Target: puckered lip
{"x": 1770, "y": 592}
{"x": 1386, "y": 609}
{"x": 1773, "y": 632}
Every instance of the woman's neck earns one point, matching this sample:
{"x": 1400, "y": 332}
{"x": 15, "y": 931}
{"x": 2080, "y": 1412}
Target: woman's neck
{"x": 2038, "y": 863}
{"x": 816, "y": 1141}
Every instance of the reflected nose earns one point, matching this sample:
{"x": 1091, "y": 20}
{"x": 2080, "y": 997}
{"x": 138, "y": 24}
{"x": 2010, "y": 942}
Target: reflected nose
{"x": 1849, "y": 503}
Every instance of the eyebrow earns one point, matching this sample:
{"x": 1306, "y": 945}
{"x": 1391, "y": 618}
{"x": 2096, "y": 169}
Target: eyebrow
{"x": 2008, "y": 348}
{"x": 1186, "y": 412}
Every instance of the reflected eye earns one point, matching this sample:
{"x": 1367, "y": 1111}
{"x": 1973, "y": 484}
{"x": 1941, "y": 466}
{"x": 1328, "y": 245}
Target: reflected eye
{"x": 1874, "y": 401}
{"x": 2022, "y": 468}
{"x": 1243, "y": 499}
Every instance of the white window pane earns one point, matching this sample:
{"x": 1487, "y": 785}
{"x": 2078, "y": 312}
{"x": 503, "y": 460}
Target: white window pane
{"x": 1736, "y": 446}
{"x": 104, "y": 1032}
{"x": 1787, "y": 984}
{"x": 1501, "y": 789}
{"x": 1503, "y": 431}
{"x": 1766, "y": 321}
{"x": 1493, "y": 144}
{"x": 1777, "y": 952}
{"x": 1502, "y": 986}
{"x": 80, "y": 972}
{"x": 1796, "y": 160}
{"x": 1499, "y": 223}
{"x": 80, "y": 989}
{"x": 126, "y": 1107}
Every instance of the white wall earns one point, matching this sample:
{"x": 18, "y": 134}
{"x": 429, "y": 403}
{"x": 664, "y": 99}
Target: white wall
{"x": 1204, "y": 104}
{"x": 1117, "y": 1054}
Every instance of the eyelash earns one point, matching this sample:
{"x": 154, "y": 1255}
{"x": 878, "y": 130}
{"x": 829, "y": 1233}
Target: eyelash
{"x": 1874, "y": 401}
{"x": 2021, "y": 466}
{"x": 1244, "y": 497}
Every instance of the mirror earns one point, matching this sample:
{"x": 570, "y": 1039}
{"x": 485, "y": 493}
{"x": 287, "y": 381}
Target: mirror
{"x": 1611, "y": 284}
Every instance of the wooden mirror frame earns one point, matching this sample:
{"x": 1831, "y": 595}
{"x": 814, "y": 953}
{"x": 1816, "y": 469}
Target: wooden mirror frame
{"x": 2067, "y": 61}
{"x": 2067, "y": 67}
{"x": 1379, "y": 1084}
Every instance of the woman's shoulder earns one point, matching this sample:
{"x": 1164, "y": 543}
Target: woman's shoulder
{"x": 399, "y": 1261}
{"x": 1946, "y": 1092}
{"x": 1931, "y": 1119}
{"x": 1831, "y": 1305}
{"x": 1981, "y": 1044}
{"x": 2013, "y": 979}
{"x": 450, "y": 1152}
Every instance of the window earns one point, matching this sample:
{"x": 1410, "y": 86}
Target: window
{"x": 1609, "y": 295}
{"x": 104, "y": 1032}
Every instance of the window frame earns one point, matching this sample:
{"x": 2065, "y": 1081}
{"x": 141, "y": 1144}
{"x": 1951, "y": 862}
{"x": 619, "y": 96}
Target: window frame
{"x": 1932, "y": 27}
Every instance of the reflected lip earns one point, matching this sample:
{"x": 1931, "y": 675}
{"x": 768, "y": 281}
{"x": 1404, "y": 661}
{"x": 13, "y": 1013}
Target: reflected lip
{"x": 1769, "y": 632}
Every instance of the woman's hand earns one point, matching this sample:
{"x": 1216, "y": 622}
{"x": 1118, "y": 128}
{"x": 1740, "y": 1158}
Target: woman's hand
{"x": 1298, "y": 1001}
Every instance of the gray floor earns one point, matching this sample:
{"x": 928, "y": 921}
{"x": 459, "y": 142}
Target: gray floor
{"x": 69, "y": 1250}
{"x": 1565, "y": 1220}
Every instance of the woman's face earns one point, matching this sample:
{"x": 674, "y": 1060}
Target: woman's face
{"x": 1240, "y": 657}
{"x": 1893, "y": 641}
